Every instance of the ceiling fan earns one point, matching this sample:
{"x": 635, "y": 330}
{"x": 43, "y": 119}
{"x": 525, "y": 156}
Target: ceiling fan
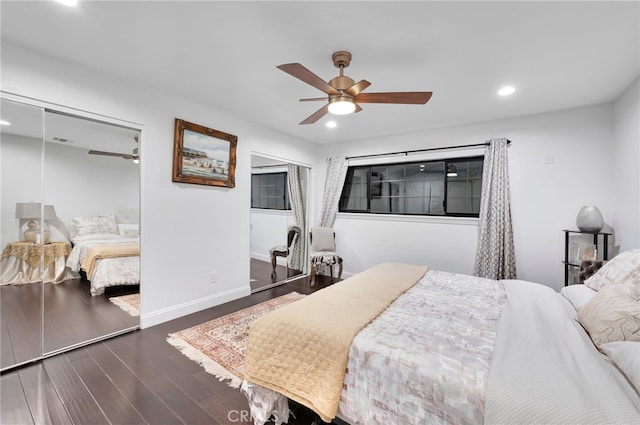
{"x": 133, "y": 156}
{"x": 344, "y": 94}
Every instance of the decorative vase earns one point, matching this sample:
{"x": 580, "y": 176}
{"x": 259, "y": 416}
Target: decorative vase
{"x": 590, "y": 219}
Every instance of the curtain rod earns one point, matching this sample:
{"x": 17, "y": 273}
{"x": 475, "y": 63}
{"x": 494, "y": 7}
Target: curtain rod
{"x": 268, "y": 166}
{"x": 422, "y": 150}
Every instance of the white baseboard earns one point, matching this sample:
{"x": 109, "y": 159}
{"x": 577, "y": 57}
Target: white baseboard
{"x": 176, "y": 311}
{"x": 281, "y": 261}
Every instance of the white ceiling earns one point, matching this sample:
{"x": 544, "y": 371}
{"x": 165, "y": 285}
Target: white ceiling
{"x": 224, "y": 54}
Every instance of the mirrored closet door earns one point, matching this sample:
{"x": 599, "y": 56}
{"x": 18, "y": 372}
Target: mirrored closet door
{"x": 21, "y": 262}
{"x": 278, "y": 221}
{"x": 76, "y": 186}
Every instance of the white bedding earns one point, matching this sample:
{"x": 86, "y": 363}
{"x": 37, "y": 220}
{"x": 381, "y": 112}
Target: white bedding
{"x": 543, "y": 366}
{"x": 108, "y": 271}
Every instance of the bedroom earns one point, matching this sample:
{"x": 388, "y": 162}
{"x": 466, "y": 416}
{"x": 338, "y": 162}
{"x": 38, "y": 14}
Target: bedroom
{"x": 593, "y": 140}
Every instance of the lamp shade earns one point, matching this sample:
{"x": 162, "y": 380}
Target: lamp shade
{"x": 49, "y": 212}
{"x": 31, "y": 210}
{"x": 28, "y": 210}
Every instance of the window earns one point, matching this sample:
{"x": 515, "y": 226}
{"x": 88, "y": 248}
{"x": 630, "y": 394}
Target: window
{"x": 269, "y": 191}
{"x": 449, "y": 187}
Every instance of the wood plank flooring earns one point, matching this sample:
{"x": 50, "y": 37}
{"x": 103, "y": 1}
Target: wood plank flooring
{"x": 71, "y": 316}
{"x": 260, "y": 274}
{"x": 135, "y": 378}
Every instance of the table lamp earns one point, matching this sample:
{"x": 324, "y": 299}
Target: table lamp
{"x": 31, "y": 211}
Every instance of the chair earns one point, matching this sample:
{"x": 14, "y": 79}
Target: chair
{"x": 283, "y": 250}
{"x": 323, "y": 251}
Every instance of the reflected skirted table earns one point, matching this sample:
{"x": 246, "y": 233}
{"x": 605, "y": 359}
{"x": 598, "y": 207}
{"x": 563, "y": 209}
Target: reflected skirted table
{"x": 28, "y": 262}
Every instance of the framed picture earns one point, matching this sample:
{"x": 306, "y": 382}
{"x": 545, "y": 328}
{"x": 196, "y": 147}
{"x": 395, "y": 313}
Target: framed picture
{"x": 203, "y": 155}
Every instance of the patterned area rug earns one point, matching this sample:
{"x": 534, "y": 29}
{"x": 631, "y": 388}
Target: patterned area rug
{"x": 129, "y": 303}
{"x": 220, "y": 344}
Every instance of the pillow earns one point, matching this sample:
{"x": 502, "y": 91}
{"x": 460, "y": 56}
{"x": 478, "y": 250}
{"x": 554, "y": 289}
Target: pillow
{"x": 94, "y": 237}
{"x": 623, "y": 271}
{"x": 129, "y": 230}
{"x": 578, "y": 295}
{"x": 95, "y": 224}
{"x": 625, "y": 355}
{"x": 611, "y": 316}
{"x": 323, "y": 239}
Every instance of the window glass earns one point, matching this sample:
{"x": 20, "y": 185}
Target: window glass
{"x": 269, "y": 191}
{"x": 442, "y": 187}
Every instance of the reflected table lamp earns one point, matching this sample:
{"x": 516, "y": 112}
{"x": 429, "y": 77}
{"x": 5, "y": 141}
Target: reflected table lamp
{"x": 31, "y": 211}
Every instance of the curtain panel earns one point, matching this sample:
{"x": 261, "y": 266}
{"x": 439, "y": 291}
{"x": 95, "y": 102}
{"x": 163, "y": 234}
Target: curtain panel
{"x": 297, "y": 256}
{"x": 336, "y": 173}
{"x": 495, "y": 256}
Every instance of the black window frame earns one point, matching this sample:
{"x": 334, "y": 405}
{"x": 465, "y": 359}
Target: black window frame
{"x": 283, "y": 180}
{"x": 369, "y": 195}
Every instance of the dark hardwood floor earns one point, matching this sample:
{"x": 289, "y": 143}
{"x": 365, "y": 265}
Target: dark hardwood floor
{"x": 135, "y": 378}
{"x": 71, "y": 316}
{"x": 260, "y": 274}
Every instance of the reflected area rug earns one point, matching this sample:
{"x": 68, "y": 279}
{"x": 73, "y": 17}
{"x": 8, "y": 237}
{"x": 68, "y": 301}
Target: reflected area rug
{"x": 219, "y": 345}
{"x": 129, "y": 303}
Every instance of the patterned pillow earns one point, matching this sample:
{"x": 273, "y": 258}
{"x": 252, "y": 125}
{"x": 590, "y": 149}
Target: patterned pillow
{"x": 95, "y": 224}
{"x": 623, "y": 271}
{"x": 611, "y": 316}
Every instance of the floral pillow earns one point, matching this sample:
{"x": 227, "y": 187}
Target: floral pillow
{"x": 623, "y": 271}
{"x": 89, "y": 225}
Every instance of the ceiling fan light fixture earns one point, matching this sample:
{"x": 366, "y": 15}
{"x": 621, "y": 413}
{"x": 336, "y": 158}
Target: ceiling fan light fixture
{"x": 452, "y": 171}
{"x": 341, "y": 105}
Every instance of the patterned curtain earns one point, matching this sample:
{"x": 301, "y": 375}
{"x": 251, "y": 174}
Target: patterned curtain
{"x": 297, "y": 256}
{"x": 495, "y": 256}
{"x": 336, "y": 173}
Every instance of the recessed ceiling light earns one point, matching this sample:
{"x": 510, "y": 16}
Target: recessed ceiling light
{"x": 3, "y": 122}
{"x": 68, "y": 2}
{"x": 506, "y": 91}
{"x": 331, "y": 124}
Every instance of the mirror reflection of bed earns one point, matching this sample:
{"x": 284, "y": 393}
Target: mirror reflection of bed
{"x": 46, "y": 305}
{"x": 278, "y": 221}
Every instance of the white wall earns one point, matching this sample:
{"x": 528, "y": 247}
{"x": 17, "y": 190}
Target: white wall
{"x": 269, "y": 229}
{"x": 21, "y": 174}
{"x": 75, "y": 183}
{"x": 545, "y": 197}
{"x": 187, "y": 230}
{"x": 626, "y": 167}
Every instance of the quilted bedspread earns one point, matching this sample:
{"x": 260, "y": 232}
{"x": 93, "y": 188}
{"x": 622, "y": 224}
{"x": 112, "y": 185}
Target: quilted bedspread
{"x": 301, "y": 350}
{"x": 426, "y": 359}
{"x": 107, "y": 251}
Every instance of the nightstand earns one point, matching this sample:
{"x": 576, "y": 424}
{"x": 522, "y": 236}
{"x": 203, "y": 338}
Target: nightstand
{"x": 28, "y": 262}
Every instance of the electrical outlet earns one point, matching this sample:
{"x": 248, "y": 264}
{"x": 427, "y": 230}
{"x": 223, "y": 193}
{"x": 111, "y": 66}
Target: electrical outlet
{"x": 213, "y": 277}
{"x": 548, "y": 158}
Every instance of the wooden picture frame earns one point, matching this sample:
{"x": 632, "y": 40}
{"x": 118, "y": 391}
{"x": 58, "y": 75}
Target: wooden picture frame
{"x": 203, "y": 155}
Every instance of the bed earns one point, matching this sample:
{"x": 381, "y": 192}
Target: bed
{"x": 106, "y": 249}
{"x": 455, "y": 349}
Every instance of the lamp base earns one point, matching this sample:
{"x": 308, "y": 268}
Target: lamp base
{"x": 32, "y": 234}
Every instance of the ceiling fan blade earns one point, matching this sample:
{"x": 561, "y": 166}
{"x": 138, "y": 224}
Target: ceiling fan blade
{"x": 355, "y": 89}
{"x": 120, "y": 155}
{"x": 310, "y": 99}
{"x": 416, "y": 97}
{"x": 358, "y": 108}
{"x": 316, "y": 115}
{"x": 302, "y": 73}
